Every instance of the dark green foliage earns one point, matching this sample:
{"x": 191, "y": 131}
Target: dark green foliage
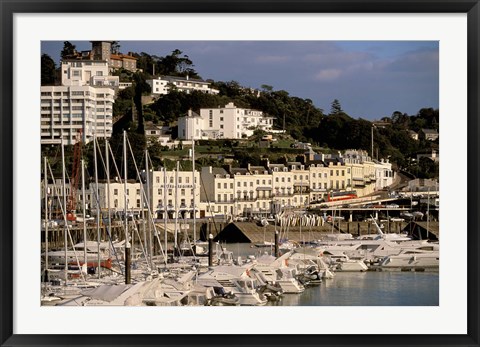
{"x": 47, "y": 70}
{"x": 68, "y": 51}
{"x": 141, "y": 87}
{"x": 115, "y": 47}
{"x": 336, "y": 108}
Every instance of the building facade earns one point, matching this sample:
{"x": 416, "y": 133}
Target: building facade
{"x": 229, "y": 122}
{"x": 87, "y": 73}
{"x": 164, "y": 84}
{"x": 173, "y": 192}
{"x": 68, "y": 112}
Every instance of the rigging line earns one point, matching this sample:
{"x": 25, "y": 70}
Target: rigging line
{"x": 144, "y": 196}
{"x": 66, "y": 230}
{"x": 97, "y": 200}
{"x": 151, "y": 219}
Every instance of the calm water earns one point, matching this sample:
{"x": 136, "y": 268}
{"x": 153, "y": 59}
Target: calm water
{"x": 370, "y": 289}
{"x": 361, "y": 289}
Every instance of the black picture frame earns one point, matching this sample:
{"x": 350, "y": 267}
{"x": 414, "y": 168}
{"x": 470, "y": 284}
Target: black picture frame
{"x": 10, "y": 7}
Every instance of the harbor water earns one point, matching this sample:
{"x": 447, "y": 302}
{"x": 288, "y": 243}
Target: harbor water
{"x": 371, "y": 288}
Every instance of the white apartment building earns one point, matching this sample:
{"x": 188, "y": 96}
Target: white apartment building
{"x": 109, "y": 195}
{"x": 319, "y": 181}
{"x": 114, "y": 195}
{"x": 301, "y": 184}
{"x": 229, "y": 122}
{"x": 190, "y": 126}
{"x": 163, "y": 85}
{"x": 67, "y": 111}
{"x": 282, "y": 186}
{"x": 217, "y": 191}
{"x": 362, "y": 170}
{"x": 383, "y": 174}
{"x": 87, "y": 73}
{"x": 172, "y": 191}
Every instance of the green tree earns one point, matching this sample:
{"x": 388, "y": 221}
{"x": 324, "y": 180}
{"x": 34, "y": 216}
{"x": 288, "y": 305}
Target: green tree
{"x": 115, "y": 47}
{"x": 68, "y": 51}
{"x": 336, "y": 108}
{"x": 176, "y": 64}
{"x": 48, "y": 71}
{"x": 141, "y": 87}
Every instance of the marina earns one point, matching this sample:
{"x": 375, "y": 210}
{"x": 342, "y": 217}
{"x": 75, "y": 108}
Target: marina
{"x": 135, "y": 220}
{"x": 336, "y": 269}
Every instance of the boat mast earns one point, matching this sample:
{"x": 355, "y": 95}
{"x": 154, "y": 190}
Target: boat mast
{"x": 165, "y": 215}
{"x": 65, "y": 225}
{"x": 149, "y": 208}
{"x": 127, "y": 239}
{"x": 84, "y": 216}
{"x": 46, "y": 215}
{"x": 98, "y": 201}
{"x": 176, "y": 207}
{"x": 107, "y": 158}
{"x": 193, "y": 185}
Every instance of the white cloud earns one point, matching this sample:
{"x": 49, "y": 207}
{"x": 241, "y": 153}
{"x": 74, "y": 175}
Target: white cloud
{"x": 328, "y": 74}
{"x": 273, "y": 58}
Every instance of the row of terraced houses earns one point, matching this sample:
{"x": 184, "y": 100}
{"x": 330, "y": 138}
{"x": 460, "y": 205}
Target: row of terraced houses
{"x": 235, "y": 192}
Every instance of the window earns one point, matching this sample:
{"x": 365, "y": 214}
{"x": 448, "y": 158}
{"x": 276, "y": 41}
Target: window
{"x": 221, "y": 118}
{"x": 159, "y": 191}
{"x": 115, "y": 192}
{"x": 170, "y": 192}
{"x": 182, "y": 192}
{"x": 219, "y": 185}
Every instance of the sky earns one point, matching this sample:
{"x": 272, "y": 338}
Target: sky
{"x": 371, "y": 79}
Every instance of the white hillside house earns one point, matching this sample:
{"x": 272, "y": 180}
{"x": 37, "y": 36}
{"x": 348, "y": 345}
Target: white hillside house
{"x": 229, "y": 122}
{"x": 163, "y": 85}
